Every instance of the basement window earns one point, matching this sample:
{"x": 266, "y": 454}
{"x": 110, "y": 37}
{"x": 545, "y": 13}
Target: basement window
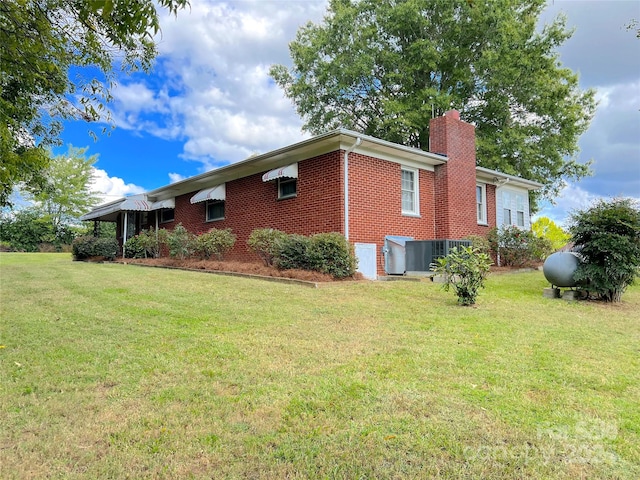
{"x": 215, "y": 210}
{"x": 287, "y": 187}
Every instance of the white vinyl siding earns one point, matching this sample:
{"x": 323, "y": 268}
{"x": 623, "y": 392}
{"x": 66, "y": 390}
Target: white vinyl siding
{"x": 512, "y": 207}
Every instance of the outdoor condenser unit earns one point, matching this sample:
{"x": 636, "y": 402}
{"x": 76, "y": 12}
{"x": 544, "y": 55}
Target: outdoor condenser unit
{"x": 420, "y": 254}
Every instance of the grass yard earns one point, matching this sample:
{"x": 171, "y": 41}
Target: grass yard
{"x": 118, "y": 371}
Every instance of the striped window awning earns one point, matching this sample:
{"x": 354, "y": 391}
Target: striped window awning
{"x": 290, "y": 171}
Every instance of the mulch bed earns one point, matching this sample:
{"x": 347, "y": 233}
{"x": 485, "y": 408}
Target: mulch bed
{"x": 236, "y": 267}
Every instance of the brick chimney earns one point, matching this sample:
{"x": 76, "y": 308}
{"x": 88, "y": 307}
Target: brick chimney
{"x": 455, "y": 181}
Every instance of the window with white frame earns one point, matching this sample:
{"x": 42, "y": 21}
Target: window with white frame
{"x": 410, "y": 191}
{"x": 215, "y": 210}
{"x": 506, "y": 208}
{"x": 481, "y": 203}
{"x": 287, "y": 187}
{"x": 520, "y": 203}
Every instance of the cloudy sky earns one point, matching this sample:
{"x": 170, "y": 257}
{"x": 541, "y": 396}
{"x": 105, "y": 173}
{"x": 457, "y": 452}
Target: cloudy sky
{"x": 210, "y": 100}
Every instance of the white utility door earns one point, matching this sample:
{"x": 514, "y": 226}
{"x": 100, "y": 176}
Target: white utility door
{"x": 366, "y": 255}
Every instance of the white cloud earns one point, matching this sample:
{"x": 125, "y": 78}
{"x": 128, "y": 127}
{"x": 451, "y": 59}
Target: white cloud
{"x": 572, "y": 198}
{"x": 111, "y": 188}
{"x": 215, "y": 91}
{"x": 175, "y": 177}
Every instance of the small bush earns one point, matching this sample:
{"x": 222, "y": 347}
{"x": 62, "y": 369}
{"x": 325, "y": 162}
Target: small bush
{"x": 294, "y": 253}
{"x": 465, "y": 268}
{"x": 266, "y": 243}
{"x": 331, "y": 253}
{"x": 215, "y": 243}
{"x": 135, "y": 247}
{"x": 145, "y": 244}
{"x": 181, "y": 242}
{"x": 86, "y": 247}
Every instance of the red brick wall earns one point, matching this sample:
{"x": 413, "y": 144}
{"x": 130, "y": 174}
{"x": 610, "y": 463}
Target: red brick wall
{"x": 375, "y": 203}
{"x": 252, "y": 203}
{"x": 455, "y": 190}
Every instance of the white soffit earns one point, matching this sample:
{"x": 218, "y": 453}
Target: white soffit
{"x": 214, "y": 193}
{"x": 290, "y": 171}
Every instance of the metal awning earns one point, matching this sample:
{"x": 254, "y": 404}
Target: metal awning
{"x": 169, "y": 203}
{"x": 138, "y": 203}
{"x": 290, "y": 171}
{"x": 214, "y": 193}
{"x": 134, "y": 203}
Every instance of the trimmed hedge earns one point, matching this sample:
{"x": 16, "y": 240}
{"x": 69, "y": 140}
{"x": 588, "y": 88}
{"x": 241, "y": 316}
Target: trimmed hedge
{"x": 328, "y": 253}
{"x": 294, "y": 253}
{"x": 331, "y": 253}
{"x": 87, "y": 247}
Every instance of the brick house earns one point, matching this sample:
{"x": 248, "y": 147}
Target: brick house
{"x": 340, "y": 181}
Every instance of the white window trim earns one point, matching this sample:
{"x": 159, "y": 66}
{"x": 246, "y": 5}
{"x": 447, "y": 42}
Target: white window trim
{"x": 482, "y": 220}
{"x": 206, "y": 211}
{"x": 416, "y": 192}
{"x": 520, "y": 197}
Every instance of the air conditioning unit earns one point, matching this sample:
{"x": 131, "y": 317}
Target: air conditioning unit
{"x": 420, "y": 254}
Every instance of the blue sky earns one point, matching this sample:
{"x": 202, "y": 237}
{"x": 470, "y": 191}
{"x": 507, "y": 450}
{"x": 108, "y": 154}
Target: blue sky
{"x": 210, "y": 101}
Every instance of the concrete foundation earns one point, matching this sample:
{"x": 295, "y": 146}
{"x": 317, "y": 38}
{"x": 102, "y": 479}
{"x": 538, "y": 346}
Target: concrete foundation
{"x": 551, "y": 293}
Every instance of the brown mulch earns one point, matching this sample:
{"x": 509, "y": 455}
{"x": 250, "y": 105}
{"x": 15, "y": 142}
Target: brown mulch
{"x": 249, "y": 268}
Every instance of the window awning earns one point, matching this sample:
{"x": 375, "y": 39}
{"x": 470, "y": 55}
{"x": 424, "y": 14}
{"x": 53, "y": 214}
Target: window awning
{"x": 137, "y": 203}
{"x": 214, "y": 193}
{"x": 290, "y": 171}
{"x": 134, "y": 203}
{"x": 169, "y": 203}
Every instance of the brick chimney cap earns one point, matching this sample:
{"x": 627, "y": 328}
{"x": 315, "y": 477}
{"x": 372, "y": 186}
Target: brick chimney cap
{"x": 453, "y": 114}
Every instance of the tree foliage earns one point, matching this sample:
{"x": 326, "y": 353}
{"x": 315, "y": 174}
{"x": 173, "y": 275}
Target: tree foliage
{"x": 39, "y": 41}
{"x": 544, "y": 227}
{"x": 386, "y": 67}
{"x": 607, "y": 236}
{"x": 66, "y": 192}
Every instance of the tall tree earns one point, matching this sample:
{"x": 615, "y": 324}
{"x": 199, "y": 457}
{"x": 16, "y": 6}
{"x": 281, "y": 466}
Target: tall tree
{"x": 39, "y": 41}
{"x": 385, "y": 67}
{"x": 67, "y": 193}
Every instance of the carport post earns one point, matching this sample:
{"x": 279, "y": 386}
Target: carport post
{"x": 124, "y": 232}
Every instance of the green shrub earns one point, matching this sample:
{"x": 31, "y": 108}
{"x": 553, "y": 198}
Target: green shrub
{"x": 87, "y": 247}
{"x": 479, "y": 243}
{"x": 266, "y": 243}
{"x": 135, "y": 247}
{"x": 145, "y": 244}
{"x": 294, "y": 253}
{"x": 331, "y": 253}
{"x": 607, "y": 235}
{"x": 515, "y": 247}
{"x": 181, "y": 242}
{"x": 215, "y": 242}
{"x": 465, "y": 268}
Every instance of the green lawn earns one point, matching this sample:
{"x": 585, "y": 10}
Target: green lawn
{"x": 114, "y": 371}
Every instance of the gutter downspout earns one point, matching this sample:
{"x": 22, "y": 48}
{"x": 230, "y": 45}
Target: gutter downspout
{"x": 346, "y": 185}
